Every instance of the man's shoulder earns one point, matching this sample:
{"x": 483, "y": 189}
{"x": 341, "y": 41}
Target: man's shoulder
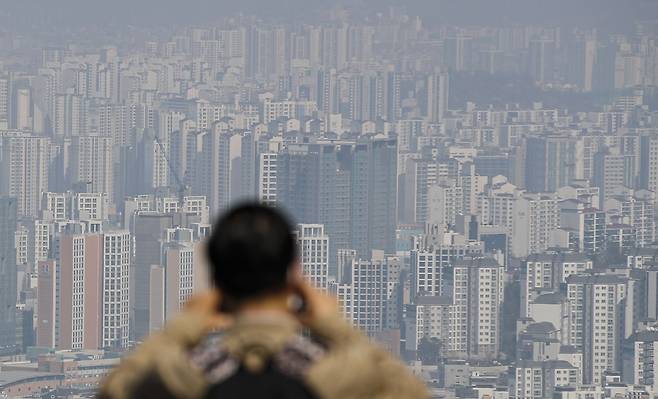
{"x": 162, "y": 357}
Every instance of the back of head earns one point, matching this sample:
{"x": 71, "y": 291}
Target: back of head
{"x": 251, "y": 250}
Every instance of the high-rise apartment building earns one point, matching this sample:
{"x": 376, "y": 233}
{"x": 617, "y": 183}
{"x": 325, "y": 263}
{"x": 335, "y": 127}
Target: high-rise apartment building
{"x": 181, "y": 275}
{"x": 477, "y": 296}
{"x": 649, "y": 163}
{"x": 80, "y": 273}
{"x": 83, "y": 295}
{"x": 550, "y": 162}
{"x": 639, "y": 211}
{"x": 24, "y": 170}
{"x": 5, "y": 101}
{"x": 612, "y": 170}
{"x": 429, "y": 264}
{"x": 420, "y": 176}
{"x": 55, "y": 206}
{"x": 23, "y": 109}
{"x": 147, "y": 228}
{"x": 641, "y": 359}
{"x": 535, "y": 379}
{"x": 546, "y": 272}
{"x": 370, "y": 295}
{"x": 445, "y": 202}
{"x": 313, "y": 246}
{"x": 8, "y": 279}
{"x": 541, "y": 59}
{"x": 225, "y": 169}
{"x": 267, "y": 178}
{"x": 92, "y": 164}
{"x": 596, "y": 322}
{"x": 46, "y": 304}
{"x": 71, "y": 115}
{"x": 91, "y": 206}
{"x": 438, "y": 84}
{"x": 585, "y": 224}
{"x": 346, "y": 186}
{"x": 114, "y": 121}
{"x": 428, "y": 317}
{"x": 22, "y": 247}
{"x": 536, "y": 217}
{"x": 115, "y": 313}
{"x": 497, "y": 205}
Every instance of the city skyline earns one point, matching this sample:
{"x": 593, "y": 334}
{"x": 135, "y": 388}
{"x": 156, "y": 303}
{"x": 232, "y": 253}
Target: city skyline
{"x": 475, "y": 183}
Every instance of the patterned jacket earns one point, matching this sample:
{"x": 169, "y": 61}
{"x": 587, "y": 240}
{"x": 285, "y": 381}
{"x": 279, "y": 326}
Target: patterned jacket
{"x": 187, "y": 358}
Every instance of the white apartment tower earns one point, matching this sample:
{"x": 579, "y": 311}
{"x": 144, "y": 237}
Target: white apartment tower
{"x": 92, "y": 164}
{"x": 545, "y": 272}
{"x": 370, "y": 296}
{"x": 429, "y": 317}
{"x": 596, "y": 320}
{"x": 116, "y": 284}
{"x": 179, "y": 275}
{"x": 24, "y": 170}
{"x": 430, "y": 265}
{"x": 91, "y": 206}
{"x": 478, "y": 298}
{"x": 437, "y": 96}
{"x": 536, "y": 217}
{"x": 444, "y": 202}
{"x": 313, "y": 246}
{"x": 641, "y": 359}
{"x": 267, "y": 178}
{"x": 114, "y": 121}
{"x": 54, "y": 206}
{"x": 223, "y": 173}
{"x": 70, "y": 115}
{"x": 640, "y": 212}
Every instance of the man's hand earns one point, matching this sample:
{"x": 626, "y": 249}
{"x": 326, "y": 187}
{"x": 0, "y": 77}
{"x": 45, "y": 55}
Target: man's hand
{"x": 319, "y": 306}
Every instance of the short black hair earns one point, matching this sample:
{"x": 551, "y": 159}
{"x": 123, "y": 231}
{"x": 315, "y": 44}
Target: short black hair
{"x": 251, "y": 249}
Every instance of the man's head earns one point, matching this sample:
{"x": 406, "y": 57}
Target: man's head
{"x": 251, "y": 251}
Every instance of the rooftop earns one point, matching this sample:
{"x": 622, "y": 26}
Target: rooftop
{"x": 433, "y": 300}
{"x": 477, "y": 262}
{"x": 563, "y": 257}
{"x": 595, "y": 279}
{"x": 549, "y": 299}
{"x": 13, "y": 376}
{"x": 543, "y": 327}
{"x": 645, "y": 336}
{"x": 568, "y": 349}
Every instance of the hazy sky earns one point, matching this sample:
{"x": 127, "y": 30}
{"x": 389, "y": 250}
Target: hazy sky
{"x": 606, "y": 13}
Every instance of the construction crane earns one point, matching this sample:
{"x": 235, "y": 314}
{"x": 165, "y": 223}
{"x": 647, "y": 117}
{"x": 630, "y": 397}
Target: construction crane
{"x": 182, "y": 188}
